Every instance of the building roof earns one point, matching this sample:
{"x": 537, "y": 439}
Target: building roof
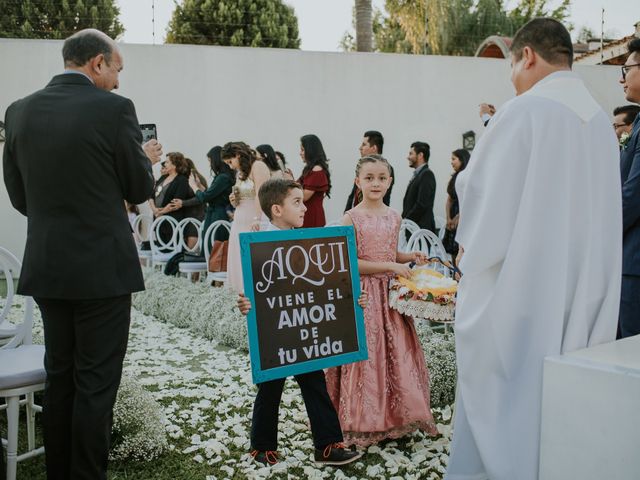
{"x": 613, "y": 53}
{"x": 494, "y": 47}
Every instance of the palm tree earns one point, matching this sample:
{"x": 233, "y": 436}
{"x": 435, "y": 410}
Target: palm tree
{"x": 364, "y": 26}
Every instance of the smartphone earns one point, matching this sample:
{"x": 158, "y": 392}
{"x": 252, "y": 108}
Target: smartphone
{"x": 149, "y": 131}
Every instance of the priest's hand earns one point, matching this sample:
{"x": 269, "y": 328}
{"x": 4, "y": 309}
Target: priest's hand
{"x": 487, "y": 108}
{"x": 244, "y": 304}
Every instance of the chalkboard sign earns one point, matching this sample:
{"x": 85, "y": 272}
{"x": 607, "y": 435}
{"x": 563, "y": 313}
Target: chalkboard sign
{"x": 304, "y": 287}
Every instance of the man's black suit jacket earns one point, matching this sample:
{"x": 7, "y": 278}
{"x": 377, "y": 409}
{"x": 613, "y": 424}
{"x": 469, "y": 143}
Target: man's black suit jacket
{"x": 72, "y": 156}
{"x": 417, "y": 204}
{"x": 630, "y": 172}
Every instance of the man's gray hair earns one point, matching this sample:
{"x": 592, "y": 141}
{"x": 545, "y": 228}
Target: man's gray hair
{"x": 84, "y": 45}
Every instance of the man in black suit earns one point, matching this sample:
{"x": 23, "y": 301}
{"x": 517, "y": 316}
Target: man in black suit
{"x": 72, "y": 156}
{"x": 629, "y": 319}
{"x": 372, "y": 144}
{"x": 417, "y": 204}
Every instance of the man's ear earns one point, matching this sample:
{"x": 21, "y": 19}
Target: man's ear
{"x": 530, "y": 57}
{"x": 97, "y": 63}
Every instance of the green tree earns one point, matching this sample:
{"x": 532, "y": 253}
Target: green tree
{"x": 585, "y": 34}
{"x": 457, "y": 27}
{"x": 388, "y": 36}
{"x": 53, "y": 19}
{"x": 241, "y": 23}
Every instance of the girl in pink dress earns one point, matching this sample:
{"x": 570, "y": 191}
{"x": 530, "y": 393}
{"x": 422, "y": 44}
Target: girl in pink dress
{"x": 386, "y": 396}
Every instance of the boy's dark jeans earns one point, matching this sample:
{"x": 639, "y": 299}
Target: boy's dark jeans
{"x": 325, "y": 426}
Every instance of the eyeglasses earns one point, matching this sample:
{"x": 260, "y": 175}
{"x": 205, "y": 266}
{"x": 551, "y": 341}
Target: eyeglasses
{"x": 626, "y": 68}
{"x": 619, "y": 125}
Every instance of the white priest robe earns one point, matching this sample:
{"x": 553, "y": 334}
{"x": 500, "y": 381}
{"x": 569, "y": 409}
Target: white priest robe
{"x": 541, "y": 226}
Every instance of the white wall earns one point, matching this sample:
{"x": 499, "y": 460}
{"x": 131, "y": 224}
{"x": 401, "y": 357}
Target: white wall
{"x": 203, "y": 96}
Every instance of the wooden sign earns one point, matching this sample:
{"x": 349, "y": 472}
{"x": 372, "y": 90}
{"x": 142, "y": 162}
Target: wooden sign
{"x": 304, "y": 287}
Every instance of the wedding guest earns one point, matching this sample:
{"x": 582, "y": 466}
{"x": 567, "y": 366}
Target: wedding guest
{"x": 386, "y": 396}
{"x": 315, "y": 180}
{"x": 250, "y": 175}
{"x": 417, "y": 204}
{"x": 268, "y": 156}
{"x": 281, "y": 201}
{"x": 629, "y": 317}
{"x": 288, "y": 174}
{"x": 530, "y": 186}
{"x": 215, "y": 197}
{"x": 372, "y": 144}
{"x": 80, "y": 261}
{"x": 459, "y": 161}
{"x": 195, "y": 177}
{"x": 163, "y": 170}
{"x": 196, "y": 181}
{"x": 175, "y": 185}
{"x": 623, "y": 118}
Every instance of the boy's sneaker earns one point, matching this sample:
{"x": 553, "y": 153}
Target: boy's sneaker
{"x": 265, "y": 457}
{"x": 336, "y": 454}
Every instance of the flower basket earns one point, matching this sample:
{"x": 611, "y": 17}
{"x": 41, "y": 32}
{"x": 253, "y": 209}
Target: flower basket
{"x": 426, "y": 295}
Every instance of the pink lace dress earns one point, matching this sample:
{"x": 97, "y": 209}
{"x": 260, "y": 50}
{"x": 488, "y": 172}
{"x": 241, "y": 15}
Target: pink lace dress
{"x": 386, "y": 396}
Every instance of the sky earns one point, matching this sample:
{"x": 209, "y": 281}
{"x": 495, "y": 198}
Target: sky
{"x": 322, "y": 23}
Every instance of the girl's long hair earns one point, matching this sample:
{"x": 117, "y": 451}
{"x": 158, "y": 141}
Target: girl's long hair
{"x": 243, "y": 150}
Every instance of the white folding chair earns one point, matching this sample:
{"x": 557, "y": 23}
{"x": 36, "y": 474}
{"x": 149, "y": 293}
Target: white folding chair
{"x": 190, "y": 268}
{"x": 21, "y": 369}
{"x": 209, "y": 238}
{"x": 334, "y": 223}
{"x": 162, "y": 250}
{"x": 141, "y": 232}
{"x": 406, "y": 226}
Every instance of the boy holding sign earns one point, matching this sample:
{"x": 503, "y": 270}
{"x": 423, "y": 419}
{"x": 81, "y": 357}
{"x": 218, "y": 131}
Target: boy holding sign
{"x": 282, "y": 202}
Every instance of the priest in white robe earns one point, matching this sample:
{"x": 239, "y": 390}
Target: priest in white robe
{"x": 540, "y": 226}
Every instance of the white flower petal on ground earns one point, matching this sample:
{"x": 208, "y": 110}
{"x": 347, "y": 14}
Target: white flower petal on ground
{"x": 207, "y": 395}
